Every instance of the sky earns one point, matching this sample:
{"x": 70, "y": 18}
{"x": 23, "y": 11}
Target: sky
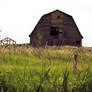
{"x": 19, "y": 17}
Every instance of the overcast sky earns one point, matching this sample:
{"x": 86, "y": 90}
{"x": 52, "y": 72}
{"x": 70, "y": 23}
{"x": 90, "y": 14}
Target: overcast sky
{"x": 19, "y": 17}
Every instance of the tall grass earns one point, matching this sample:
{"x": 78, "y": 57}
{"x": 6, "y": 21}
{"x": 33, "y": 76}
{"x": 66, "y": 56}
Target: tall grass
{"x": 27, "y": 69}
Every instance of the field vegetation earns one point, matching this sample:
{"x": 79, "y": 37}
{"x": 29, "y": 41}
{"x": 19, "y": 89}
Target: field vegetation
{"x": 27, "y": 69}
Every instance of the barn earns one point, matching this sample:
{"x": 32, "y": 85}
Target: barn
{"x": 56, "y": 29}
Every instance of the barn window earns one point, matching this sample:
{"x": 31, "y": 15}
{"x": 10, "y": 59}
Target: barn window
{"x": 58, "y": 17}
{"x": 78, "y": 42}
{"x": 54, "y": 31}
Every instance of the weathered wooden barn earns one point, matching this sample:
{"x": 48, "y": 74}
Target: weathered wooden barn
{"x": 56, "y": 29}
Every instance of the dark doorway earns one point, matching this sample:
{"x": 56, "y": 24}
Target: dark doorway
{"x": 54, "y": 31}
{"x": 78, "y": 42}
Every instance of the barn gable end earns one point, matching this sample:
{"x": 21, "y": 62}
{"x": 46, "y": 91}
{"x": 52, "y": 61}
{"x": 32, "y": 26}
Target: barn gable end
{"x": 56, "y": 28}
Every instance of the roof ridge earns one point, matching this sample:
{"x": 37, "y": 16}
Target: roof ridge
{"x": 55, "y": 11}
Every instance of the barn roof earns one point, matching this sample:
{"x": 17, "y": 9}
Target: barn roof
{"x": 7, "y": 41}
{"x": 49, "y": 14}
{"x": 56, "y": 11}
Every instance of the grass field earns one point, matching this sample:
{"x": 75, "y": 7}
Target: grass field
{"x": 27, "y": 69}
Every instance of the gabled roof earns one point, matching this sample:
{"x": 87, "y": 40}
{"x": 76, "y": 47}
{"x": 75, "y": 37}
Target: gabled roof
{"x": 49, "y": 14}
{"x": 56, "y": 11}
{"x": 7, "y": 41}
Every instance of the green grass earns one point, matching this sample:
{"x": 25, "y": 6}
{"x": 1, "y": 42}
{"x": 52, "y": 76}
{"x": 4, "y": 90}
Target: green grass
{"x": 27, "y": 69}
